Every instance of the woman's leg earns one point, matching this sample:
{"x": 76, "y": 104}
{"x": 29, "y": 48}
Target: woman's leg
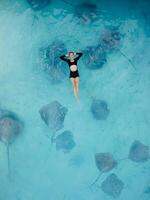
{"x": 74, "y": 86}
{"x": 77, "y": 85}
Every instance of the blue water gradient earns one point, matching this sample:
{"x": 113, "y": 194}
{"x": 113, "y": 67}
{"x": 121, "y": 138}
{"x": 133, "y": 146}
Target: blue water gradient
{"x": 58, "y": 161}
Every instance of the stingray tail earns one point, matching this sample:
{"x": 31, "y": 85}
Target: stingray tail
{"x": 95, "y": 181}
{"x": 129, "y": 60}
{"x": 52, "y": 139}
{"x": 35, "y": 18}
{"x": 8, "y": 161}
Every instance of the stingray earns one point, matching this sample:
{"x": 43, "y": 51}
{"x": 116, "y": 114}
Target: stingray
{"x": 53, "y": 115}
{"x": 99, "y": 109}
{"x": 38, "y": 4}
{"x": 110, "y": 41}
{"x": 146, "y": 16}
{"x": 139, "y": 152}
{"x": 105, "y": 162}
{"x": 147, "y": 190}
{"x": 65, "y": 141}
{"x": 94, "y": 57}
{"x": 87, "y": 12}
{"x": 51, "y": 61}
{"x": 112, "y": 186}
{"x": 10, "y": 127}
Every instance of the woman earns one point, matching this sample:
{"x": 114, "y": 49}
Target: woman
{"x": 74, "y": 74}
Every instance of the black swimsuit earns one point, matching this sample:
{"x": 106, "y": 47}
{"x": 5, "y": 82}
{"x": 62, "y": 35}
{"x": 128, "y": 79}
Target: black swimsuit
{"x": 73, "y": 74}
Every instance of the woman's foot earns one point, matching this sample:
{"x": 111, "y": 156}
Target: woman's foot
{"x": 77, "y": 97}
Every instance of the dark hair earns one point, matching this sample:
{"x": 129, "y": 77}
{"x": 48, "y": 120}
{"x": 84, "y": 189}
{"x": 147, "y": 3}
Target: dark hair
{"x": 71, "y": 52}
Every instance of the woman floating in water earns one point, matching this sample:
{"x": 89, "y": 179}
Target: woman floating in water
{"x": 74, "y": 74}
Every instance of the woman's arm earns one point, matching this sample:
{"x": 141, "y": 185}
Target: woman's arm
{"x": 63, "y": 57}
{"x": 79, "y": 56}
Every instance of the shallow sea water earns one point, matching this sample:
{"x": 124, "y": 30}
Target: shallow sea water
{"x": 38, "y": 170}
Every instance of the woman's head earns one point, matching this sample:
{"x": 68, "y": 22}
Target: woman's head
{"x": 71, "y": 55}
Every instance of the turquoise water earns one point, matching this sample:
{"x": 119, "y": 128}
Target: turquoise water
{"x": 39, "y": 170}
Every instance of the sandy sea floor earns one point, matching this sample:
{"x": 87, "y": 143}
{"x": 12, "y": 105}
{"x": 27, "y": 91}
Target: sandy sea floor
{"x": 38, "y": 170}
